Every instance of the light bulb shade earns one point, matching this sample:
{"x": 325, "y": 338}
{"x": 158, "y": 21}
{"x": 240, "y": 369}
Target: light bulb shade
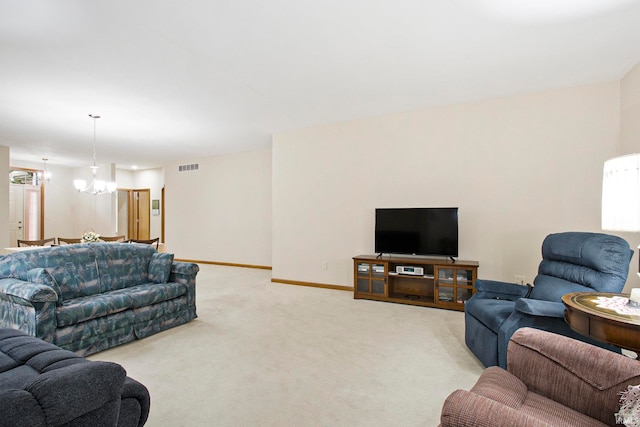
{"x": 621, "y": 193}
{"x": 79, "y": 184}
{"x": 99, "y": 185}
{"x": 111, "y": 187}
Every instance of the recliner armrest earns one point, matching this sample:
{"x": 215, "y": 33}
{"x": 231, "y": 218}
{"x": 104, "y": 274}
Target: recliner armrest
{"x": 135, "y": 405}
{"x": 581, "y": 376}
{"x": 467, "y": 409}
{"x": 536, "y": 307}
{"x": 73, "y": 391}
{"x": 494, "y": 288}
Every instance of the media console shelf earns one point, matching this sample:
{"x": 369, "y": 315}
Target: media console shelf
{"x": 442, "y": 283}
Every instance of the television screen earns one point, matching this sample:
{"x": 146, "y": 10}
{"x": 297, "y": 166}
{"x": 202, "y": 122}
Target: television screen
{"x": 417, "y": 231}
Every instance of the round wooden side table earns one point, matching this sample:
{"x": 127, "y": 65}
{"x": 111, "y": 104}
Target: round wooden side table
{"x": 604, "y": 317}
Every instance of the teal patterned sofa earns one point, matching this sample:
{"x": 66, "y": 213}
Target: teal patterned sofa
{"x": 89, "y": 297}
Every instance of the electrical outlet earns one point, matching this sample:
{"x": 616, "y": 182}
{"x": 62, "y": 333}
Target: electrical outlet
{"x": 324, "y": 265}
{"x": 521, "y": 280}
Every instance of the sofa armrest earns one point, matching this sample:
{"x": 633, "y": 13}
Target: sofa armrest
{"x": 77, "y": 390}
{"x": 26, "y": 293}
{"x": 184, "y": 268}
{"x": 493, "y": 288}
{"x": 578, "y": 375}
{"x": 467, "y": 409}
{"x": 28, "y": 307}
{"x": 185, "y": 273}
{"x": 537, "y": 307}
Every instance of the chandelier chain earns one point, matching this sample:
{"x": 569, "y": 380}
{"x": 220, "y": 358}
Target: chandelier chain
{"x": 96, "y": 186}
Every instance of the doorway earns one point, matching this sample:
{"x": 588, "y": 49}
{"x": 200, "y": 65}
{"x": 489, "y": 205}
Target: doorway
{"x": 134, "y": 213}
{"x": 26, "y": 205}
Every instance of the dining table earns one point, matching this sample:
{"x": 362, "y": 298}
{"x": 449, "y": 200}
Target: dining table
{"x": 13, "y": 249}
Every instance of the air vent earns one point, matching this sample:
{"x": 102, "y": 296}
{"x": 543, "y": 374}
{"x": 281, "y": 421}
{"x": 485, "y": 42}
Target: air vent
{"x": 188, "y": 168}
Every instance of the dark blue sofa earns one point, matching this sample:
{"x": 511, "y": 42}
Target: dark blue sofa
{"x": 43, "y": 385}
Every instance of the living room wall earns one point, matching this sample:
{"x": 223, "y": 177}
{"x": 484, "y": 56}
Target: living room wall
{"x": 630, "y": 111}
{"x": 518, "y": 168}
{"x": 220, "y": 212}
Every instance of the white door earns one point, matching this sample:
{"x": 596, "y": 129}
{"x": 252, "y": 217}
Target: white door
{"x": 31, "y": 212}
{"x": 24, "y": 213}
{"x": 16, "y": 214}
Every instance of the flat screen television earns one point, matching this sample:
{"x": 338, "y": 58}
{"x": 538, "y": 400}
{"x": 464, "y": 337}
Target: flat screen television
{"x": 417, "y": 231}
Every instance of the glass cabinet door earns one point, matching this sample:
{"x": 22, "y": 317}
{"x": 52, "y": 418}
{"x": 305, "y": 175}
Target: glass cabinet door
{"x": 363, "y": 277}
{"x": 371, "y": 278}
{"x": 377, "y": 279}
{"x": 446, "y": 285}
{"x": 455, "y": 284}
{"x": 463, "y": 295}
{"x": 464, "y": 284}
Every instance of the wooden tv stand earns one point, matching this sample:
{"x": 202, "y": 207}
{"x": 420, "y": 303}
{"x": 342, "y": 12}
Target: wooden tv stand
{"x": 442, "y": 284}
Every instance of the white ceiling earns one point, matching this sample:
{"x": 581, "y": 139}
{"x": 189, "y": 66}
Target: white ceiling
{"x": 178, "y": 79}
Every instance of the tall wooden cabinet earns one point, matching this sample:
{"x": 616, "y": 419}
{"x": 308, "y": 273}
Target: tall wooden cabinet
{"x": 430, "y": 282}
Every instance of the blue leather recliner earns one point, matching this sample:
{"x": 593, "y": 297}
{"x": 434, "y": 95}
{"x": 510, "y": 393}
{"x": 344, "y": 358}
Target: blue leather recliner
{"x": 571, "y": 262}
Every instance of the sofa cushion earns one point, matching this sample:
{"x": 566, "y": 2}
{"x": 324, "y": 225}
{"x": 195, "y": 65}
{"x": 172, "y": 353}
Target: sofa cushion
{"x": 86, "y": 308}
{"x": 6, "y": 363}
{"x": 122, "y": 265}
{"x": 153, "y": 293}
{"x": 15, "y": 265}
{"x": 160, "y": 267}
{"x": 74, "y": 269}
{"x": 17, "y": 377}
{"x": 82, "y": 338}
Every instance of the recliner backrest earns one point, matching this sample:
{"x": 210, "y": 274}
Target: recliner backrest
{"x": 581, "y": 262}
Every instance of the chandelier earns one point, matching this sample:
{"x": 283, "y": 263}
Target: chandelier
{"x": 96, "y": 186}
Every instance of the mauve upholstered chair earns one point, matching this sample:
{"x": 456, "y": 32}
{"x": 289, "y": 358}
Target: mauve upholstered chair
{"x": 551, "y": 380}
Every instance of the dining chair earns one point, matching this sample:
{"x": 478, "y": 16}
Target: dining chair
{"x": 68, "y": 240}
{"x": 155, "y": 241}
{"x": 113, "y": 239}
{"x": 42, "y": 242}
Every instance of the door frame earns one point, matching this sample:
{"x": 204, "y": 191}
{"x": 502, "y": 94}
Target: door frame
{"x": 162, "y": 215}
{"x": 131, "y": 217}
{"x": 42, "y": 191}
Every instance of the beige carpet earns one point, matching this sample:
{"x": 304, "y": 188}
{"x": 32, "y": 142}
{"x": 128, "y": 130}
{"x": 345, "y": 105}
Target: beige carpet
{"x": 267, "y": 354}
